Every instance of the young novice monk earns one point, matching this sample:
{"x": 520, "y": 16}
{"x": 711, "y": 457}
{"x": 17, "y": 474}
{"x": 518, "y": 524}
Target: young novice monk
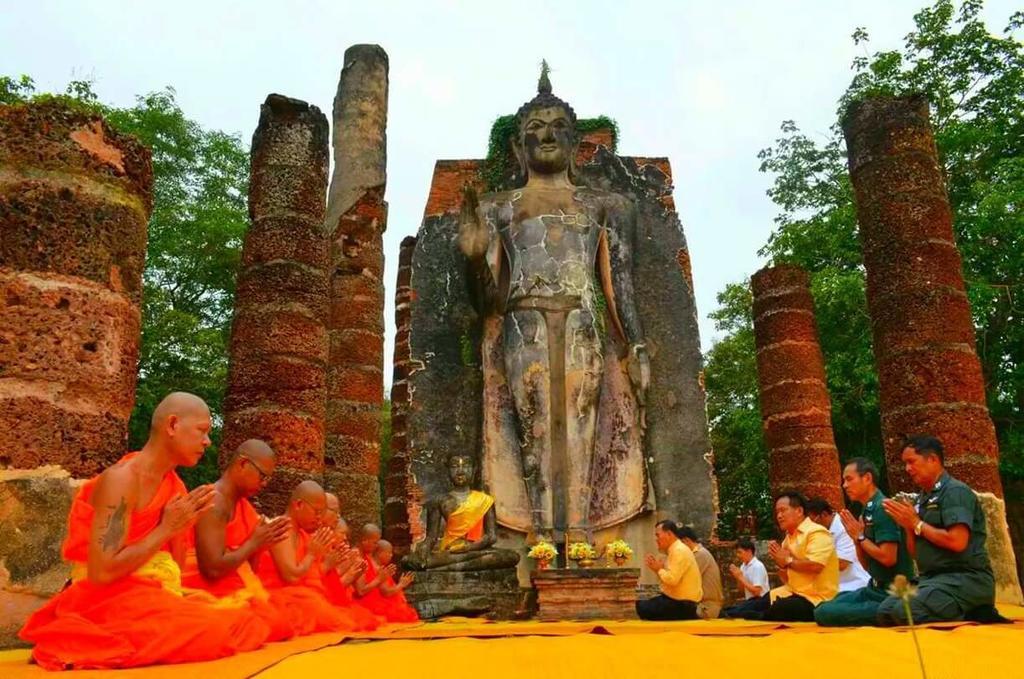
{"x": 377, "y": 588}
{"x": 342, "y": 565}
{"x": 125, "y": 606}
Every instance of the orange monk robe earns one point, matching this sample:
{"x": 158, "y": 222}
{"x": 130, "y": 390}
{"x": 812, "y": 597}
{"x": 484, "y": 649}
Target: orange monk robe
{"x": 304, "y": 602}
{"x": 341, "y": 595}
{"x": 140, "y": 619}
{"x": 242, "y": 587}
{"x": 394, "y": 608}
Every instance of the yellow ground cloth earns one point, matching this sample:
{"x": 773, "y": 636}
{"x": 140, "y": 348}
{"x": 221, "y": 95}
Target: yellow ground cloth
{"x": 619, "y": 649}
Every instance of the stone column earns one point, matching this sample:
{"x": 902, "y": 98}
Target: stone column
{"x": 356, "y": 219}
{"x": 795, "y": 409}
{"x": 929, "y": 374}
{"x": 397, "y": 529}
{"x": 75, "y": 198}
{"x": 277, "y": 378}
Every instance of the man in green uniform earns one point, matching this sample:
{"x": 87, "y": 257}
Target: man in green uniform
{"x": 881, "y": 549}
{"x": 946, "y": 534}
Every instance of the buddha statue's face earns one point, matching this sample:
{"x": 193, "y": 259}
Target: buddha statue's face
{"x": 460, "y": 471}
{"x": 547, "y": 139}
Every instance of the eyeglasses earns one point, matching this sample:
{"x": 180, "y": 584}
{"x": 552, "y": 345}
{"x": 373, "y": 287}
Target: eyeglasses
{"x": 264, "y": 476}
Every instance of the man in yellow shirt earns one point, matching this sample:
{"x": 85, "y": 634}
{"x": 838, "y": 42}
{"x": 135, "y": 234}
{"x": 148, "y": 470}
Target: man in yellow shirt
{"x": 808, "y": 567}
{"x": 678, "y": 576}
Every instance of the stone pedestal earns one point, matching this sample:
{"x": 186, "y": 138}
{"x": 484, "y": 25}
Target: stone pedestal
{"x": 34, "y": 505}
{"x": 1000, "y": 550}
{"x": 586, "y": 593}
{"x": 495, "y": 594}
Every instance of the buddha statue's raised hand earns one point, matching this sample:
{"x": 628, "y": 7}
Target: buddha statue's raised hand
{"x": 473, "y": 234}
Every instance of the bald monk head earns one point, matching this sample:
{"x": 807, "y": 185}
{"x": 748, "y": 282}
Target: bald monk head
{"x": 369, "y": 536}
{"x": 383, "y": 552}
{"x": 341, "y": 529}
{"x": 181, "y": 428}
{"x": 333, "y": 511}
{"x": 251, "y": 467}
{"x": 307, "y": 505}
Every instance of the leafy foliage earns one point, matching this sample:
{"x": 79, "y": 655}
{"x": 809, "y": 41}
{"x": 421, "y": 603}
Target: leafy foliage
{"x": 195, "y": 238}
{"x": 975, "y": 83}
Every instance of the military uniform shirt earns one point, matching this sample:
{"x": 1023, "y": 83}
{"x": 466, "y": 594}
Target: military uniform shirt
{"x": 951, "y": 502}
{"x": 880, "y": 529}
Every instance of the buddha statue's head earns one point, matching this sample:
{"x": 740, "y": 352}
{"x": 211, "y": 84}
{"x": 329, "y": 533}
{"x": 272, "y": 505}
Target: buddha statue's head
{"x": 461, "y": 470}
{"x": 545, "y": 141}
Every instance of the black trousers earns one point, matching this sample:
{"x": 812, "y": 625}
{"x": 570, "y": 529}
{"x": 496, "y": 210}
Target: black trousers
{"x": 662, "y": 607}
{"x": 789, "y": 609}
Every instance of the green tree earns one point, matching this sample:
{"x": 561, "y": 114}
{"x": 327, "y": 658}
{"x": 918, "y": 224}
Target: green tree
{"x": 195, "y": 238}
{"x": 974, "y": 80}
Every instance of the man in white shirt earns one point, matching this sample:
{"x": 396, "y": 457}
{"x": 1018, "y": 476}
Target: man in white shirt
{"x": 751, "y": 575}
{"x": 852, "y": 575}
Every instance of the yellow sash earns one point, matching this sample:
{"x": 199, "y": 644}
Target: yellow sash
{"x": 162, "y": 568}
{"x": 465, "y": 517}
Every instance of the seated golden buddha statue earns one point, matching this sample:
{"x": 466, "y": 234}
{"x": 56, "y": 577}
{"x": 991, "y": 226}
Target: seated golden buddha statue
{"x": 461, "y": 528}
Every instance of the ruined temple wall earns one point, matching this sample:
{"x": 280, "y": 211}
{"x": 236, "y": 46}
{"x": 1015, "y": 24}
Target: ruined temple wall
{"x": 75, "y": 198}
{"x": 398, "y": 529}
{"x": 277, "y": 376}
{"x": 796, "y": 411}
{"x": 929, "y": 375}
{"x": 355, "y": 222}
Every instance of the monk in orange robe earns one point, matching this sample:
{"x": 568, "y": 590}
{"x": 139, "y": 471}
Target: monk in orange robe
{"x": 230, "y": 537}
{"x": 338, "y": 580}
{"x": 126, "y": 542}
{"x": 376, "y": 587}
{"x": 291, "y": 568}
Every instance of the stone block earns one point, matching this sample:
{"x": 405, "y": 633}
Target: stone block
{"x": 1000, "y": 550}
{"x": 586, "y": 593}
{"x": 34, "y": 506}
{"x": 494, "y": 594}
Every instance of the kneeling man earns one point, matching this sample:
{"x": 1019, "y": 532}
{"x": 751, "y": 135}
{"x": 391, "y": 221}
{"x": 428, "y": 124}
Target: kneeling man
{"x": 678, "y": 577}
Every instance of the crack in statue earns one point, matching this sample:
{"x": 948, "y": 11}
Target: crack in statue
{"x": 539, "y": 257}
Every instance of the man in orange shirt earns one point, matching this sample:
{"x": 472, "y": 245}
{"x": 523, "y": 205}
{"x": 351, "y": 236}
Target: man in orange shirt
{"x": 126, "y": 541}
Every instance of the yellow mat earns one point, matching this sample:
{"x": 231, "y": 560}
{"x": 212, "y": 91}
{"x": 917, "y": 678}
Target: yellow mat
{"x": 619, "y": 649}
{"x": 962, "y": 653}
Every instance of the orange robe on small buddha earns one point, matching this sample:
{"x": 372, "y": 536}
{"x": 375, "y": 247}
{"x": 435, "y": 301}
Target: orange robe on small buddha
{"x": 242, "y": 587}
{"x": 139, "y": 619}
{"x": 305, "y": 603}
{"x": 394, "y": 608}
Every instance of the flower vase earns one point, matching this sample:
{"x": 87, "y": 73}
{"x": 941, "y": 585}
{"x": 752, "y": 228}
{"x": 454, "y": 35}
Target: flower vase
{"x": 585, "y": 563}
{"x": 620, "y": 561}
{"x": 543, "y": 564}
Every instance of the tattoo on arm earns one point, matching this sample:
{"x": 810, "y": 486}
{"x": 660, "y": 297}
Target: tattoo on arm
{"x": 111, "y": 539}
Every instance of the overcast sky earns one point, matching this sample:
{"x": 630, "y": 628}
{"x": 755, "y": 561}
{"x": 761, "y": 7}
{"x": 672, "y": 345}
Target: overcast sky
{"x": 706, "y": 84}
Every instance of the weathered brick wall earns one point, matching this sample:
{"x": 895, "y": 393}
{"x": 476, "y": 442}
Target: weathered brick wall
{"x": 355, "y": 223}
{"x": 796, "y": 412}
{"x": 277, "y": 378}
{"x": 929, "y": 374}
{"x": 75, "y": 198}
{"x": 397, "y": 528}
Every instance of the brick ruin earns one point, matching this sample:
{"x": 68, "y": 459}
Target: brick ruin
{"x": 928, "y": 371}
{"x": 929, "y": 374}
{"x": 354, "y": 225}
{"x": 277, "y": 378}
{"x": 796, "y": 412}
{"x": 75, "y": 199}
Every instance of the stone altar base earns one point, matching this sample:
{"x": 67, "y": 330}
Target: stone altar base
{"x": 586, "y": 593}
{"x": 494, "y": 594}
